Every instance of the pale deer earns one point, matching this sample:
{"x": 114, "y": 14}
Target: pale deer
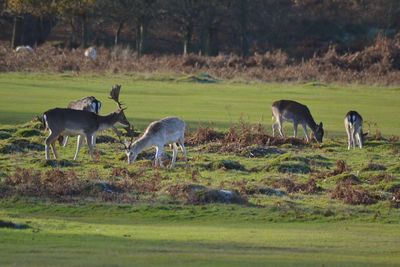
{"x": 353, "y": 124}
{"x": 170, "y": 130}
{"x": 89, "y": 103}
{"x": 64, "y": 121}
{"x": 288, "y": 110}
{"x": 91, "y": 52}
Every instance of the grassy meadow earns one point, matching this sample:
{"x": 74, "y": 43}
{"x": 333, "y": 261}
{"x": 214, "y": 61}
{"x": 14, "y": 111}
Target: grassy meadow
{"x": 293, "y": 204}
{"x": 24, "y": 95}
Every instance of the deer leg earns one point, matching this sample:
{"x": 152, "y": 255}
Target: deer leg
{"x": 93, "y": 140}
{"x": 359, "y": 140}
{"x": 353, "y": 138}
{"x": 49, "y": 140}
{"x": 182, "y": 146}
{"x": 280, "y": 127}
{"x": 295, "y": 129}
{"x": 65, "y": 141}
{"x": 89, "y": 142}
{"x": 174, "y": 153}
{"x": 273, "y": 126}
{"x": 155, "y": 158}
{"x": 53, "y": 148}
{"x": 78, "y": 146}
{"x": 305, "y": 132}
{"x": 161, "y": 152}
{"x": 158, "y": 159}
{"x": 348, "y": 138}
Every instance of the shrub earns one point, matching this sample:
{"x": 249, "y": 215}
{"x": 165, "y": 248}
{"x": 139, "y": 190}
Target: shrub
{"x": 204, "y": 135}
{"x": 378, "y": 63}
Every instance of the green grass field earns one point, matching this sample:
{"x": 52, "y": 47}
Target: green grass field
{"x": 147, "y": 225}
{"x": 150, "y": 236}
{"x": 23, "y": 96}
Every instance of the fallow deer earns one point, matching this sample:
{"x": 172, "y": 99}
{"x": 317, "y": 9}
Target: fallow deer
{"x": 353, "y": 124}
{"x": 64, "y": 121}
{"x": 89, "y": 103}
{"x": 170, "y": 130}
{"x": 288, "y": 110}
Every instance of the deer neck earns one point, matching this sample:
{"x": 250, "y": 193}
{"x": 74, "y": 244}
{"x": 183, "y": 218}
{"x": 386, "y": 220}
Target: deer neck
{"x": 107, "y": 121}
{"x": 142, "y": 143}
{"x": 311, "y": 123}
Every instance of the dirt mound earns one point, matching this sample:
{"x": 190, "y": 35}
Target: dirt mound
{"x": 374, "y": 167}
{"x": 228, "y": 165}
{"x": 198, "y": 194}
{"x": 20, "y": 145}
{"x": 5, "y": 224}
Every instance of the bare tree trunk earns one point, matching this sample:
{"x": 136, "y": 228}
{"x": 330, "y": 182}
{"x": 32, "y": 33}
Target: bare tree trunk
{"x": 138, "y": 40}
{"x": 187, "y": 42}
{"x": 83, "y": 31}
{"x": 14, "y": 32}
{"x": 118, "y": 32}
{"x": 244, "y": 48}
{"x": 211, "y": 47}
{"x": 141, "y": 42}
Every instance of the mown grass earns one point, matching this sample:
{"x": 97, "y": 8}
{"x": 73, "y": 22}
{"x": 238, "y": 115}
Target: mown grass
{"x": 96, "y": 235}
{"x": 24, "y": 95}
{"x": 148, "y": 219}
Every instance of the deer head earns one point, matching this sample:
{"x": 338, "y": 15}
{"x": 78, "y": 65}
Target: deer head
{"x": 127, "y": 145}
{"x": 114, "y": 95}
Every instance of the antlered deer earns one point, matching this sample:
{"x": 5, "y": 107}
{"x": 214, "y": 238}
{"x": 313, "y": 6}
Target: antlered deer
{"x": 353, "y": 124}
{"x": 64, "y": 121}
{"x": 288, "y": 110}
{"x": 170, "y": 130}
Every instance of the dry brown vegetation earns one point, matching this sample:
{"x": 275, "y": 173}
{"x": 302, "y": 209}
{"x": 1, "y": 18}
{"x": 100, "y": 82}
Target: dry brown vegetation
{"x": 379, "y": 63}
{"x": 310, "y": 187}
{"x": 346, "y": 191}
{"x": 239, "y": 137}
{"x": 124, "y": 186}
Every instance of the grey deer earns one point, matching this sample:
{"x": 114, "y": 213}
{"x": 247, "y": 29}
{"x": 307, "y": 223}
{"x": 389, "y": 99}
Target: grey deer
{"x": 170, "y": 130}
{"x": 353, "y": 124}
{"x": 288, "y": 110}
{"x": 64, "y": 121}
{"x": 89, "y": 103}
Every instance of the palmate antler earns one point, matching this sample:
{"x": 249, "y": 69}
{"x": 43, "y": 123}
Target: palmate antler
{"x": 114, "y": 95}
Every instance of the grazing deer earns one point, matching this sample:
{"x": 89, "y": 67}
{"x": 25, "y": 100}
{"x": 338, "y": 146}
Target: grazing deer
{"x": 89, "y": 103}
{"x": 353, "y": 124}
{"x": 170, "y": 130}
{"x": 64, "y": 121}
{"x": 288, "y": 110}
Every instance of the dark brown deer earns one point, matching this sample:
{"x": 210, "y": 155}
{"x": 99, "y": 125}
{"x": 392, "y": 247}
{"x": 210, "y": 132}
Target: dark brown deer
{"x": 288, "y": 110}
{"x": 89, "y": 103}
{"x": 64, "y": 121}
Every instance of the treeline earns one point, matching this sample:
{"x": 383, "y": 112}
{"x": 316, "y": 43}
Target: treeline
{"x": 301, "y": 28}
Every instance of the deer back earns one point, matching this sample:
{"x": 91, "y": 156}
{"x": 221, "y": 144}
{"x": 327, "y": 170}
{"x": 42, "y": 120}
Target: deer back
{"x": 293, "y": 111}
{"x": 169, "y": 129}
{"x": 353, "y": 118}
{"x": 89, "y": 103}
{"x": 64, "y": 119}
